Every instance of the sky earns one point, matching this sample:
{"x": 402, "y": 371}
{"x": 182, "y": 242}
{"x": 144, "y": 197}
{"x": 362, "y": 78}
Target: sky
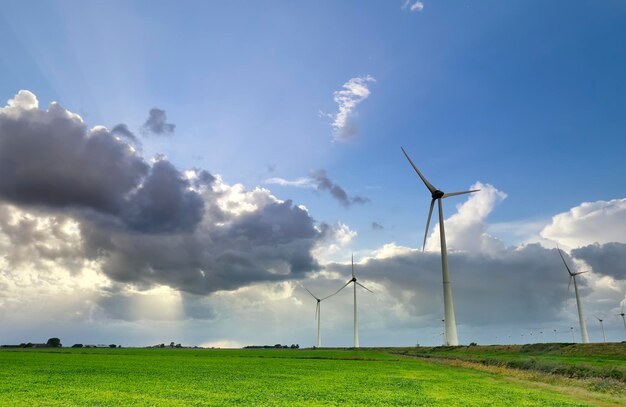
{"x": 181, "y": 171}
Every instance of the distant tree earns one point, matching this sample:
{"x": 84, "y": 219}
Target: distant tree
{"x": 119, "y": 346}
{"x": 162, "y": 345}
{"x": 77, "y": 345}
{"x": 54, "y": 342}
{"x": 473, "y": 344}
{"x": 278, "y": 345}
{"x": 171, "y": 344}
{"x": 178, "y": 345}
{"x": 112, "y": 345}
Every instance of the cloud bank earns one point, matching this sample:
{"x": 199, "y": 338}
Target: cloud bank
{"x": 143, "y": 223}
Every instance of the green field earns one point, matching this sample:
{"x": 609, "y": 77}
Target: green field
{"x": 258, "y": 377}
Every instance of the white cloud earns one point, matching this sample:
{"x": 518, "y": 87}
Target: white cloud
{"x": 588, "y": 223}
{"x": 417, "y": 6}
{"x": 466, "y": 229}
{"x": 304, "y": 182}
{"x": 338, "y": 237}
{"x": 354, "y": 92}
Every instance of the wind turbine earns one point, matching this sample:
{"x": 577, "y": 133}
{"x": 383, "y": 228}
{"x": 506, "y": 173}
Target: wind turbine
{"x": 601, "y": 326}
{"x": 621, "y": 314}
{"x": 318, "y": 314}
{"x": 355, "y": 283}
{"x": 437, "y": 195}
{"x": 572, "y": 276}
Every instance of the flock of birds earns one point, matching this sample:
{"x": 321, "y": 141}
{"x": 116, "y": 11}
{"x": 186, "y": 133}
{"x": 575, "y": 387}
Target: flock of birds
{"x": 449, "y": 321}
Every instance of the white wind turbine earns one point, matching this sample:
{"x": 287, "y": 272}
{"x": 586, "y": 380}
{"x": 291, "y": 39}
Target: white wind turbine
{"x": 437, "y": 195}
{"x": 621, "y": 314}
{"x": 601, "y": 326}
{"x": 355, "y": 283}
{"x": 318, "y": 314}
{"x": 581, "y": 318}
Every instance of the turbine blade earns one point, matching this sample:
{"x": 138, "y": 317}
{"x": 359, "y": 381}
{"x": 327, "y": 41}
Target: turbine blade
{"x": 352, "y": 265}
{"x": 342, "y": 287}
{"x": 563, "y": 258}
{"x": 581, "y": 272}
{"x": 448, "y": 195}
{"x": 430, "y": 214}
{"x": 569, "y": 283}
{"x": 310, "y": 293}
{"x": 430, "y": 186}
{"x": 364, "y": 287}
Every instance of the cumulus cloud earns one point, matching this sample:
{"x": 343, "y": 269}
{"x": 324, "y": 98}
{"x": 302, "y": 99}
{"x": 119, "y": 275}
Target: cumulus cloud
{"x": 589, "y": 223}
{"x": 50, "y": 157}
{"x": 143, "y": 223}
{"x": 319, "y": 180}
{"x": 466, "y": 229}
{"x": 354, "y": 92}
{"x": 156, "y": 123}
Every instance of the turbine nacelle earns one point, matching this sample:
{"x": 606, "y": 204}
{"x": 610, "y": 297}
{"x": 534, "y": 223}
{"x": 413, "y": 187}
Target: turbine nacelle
{"x": 437, "y": 194}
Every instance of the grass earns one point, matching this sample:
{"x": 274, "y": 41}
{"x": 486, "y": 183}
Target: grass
{"x": 174, "y": 377}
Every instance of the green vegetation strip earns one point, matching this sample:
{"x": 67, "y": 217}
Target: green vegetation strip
{"x": 605, "y": 361}
{"x": 173, "y": 377}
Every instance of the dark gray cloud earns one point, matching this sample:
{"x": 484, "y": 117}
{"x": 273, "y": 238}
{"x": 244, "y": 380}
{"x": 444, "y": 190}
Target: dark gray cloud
{"x": 50, "y": 158}
{"x": 156, "y": 124}
{"x": 163, "y": 203}
{"x": 323, "y": 183}
{"x": 271, "y": 244}
{"x": 146, "y": 224}
{"x": 124, "y": 131}
{"x": 377, "y": 226}
{"x": 608, "y": 259}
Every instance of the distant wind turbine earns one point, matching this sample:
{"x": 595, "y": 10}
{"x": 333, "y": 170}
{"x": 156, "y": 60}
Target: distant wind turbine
{"x": 355, "y": 283}
{"x": 437, "y": 195}
{"x": 572, "y": 277}
{"x": 318, "y": 314}
{"x": 621, "y": 314}
{"x": 601, "y": 326}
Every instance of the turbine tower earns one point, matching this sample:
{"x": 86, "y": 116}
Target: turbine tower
{"x": 437, "y": 195}
{"x": 318, "y": 314}
{"x": 601, "y": 326}
{"x": 581, "y": 318}
{"x": 355, "y": 283}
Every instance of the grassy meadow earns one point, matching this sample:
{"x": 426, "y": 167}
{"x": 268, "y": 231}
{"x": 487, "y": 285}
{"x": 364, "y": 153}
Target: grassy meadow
{"x": 172, "y": 377}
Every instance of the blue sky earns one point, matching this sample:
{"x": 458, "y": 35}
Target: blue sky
{"x": 527, "y": 96}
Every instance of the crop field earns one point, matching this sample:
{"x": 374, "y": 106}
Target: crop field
{"x": 173, "y": 377}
